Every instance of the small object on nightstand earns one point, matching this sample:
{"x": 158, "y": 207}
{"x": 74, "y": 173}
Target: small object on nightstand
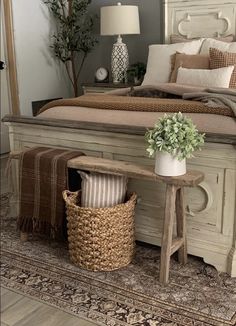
{"x": 102, "y": 75}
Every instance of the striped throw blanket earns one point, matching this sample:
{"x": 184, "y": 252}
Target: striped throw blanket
{"x": 43, "y": 177}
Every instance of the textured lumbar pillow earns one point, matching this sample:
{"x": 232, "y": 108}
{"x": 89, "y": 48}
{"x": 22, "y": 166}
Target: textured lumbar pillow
{"x": 102, "y": 190}
{"x": 190, "y": 61}
{"x": 219, "y": 59}
{"x": 203, "y": 77}
{"x": 159, "y": 60}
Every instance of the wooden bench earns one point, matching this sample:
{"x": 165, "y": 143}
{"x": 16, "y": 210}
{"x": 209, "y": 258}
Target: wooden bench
{"x": 174, "y": 201}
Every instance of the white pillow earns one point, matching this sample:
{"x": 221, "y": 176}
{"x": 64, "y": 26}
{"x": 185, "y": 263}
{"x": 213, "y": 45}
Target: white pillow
{"x": 222, "y": 46}
{"x": 159, "y": 60}
{"x": 204, "y": 77}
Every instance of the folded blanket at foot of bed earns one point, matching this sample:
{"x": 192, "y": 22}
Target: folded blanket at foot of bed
{"x": 113, "y": 101}
{"x": 43, "y": 177}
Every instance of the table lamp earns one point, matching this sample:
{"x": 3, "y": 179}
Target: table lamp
{"x": 119, "y": 20}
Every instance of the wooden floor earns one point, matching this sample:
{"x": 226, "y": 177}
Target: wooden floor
{"x": 20, "y": 310}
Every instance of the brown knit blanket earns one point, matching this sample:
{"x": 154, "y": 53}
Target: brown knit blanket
{"x": 116, "y": 102}
{"x": 43, "y": 177}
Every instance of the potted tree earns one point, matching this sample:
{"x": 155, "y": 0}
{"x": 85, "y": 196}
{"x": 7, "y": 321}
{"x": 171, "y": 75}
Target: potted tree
{"x": 173, "y": 139}
{"x": 74, "y": 37}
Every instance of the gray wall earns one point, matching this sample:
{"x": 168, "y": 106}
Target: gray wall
{"x": 150, "y": 12}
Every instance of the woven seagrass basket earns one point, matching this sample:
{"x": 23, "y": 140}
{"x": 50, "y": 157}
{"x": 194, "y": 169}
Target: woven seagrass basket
{"x": 100, "y": 239}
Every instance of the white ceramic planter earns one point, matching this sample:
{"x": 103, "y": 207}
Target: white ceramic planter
{"x": 168, "y": 165}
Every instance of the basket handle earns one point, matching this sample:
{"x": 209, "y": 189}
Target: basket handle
{"x": 68, "y": 196}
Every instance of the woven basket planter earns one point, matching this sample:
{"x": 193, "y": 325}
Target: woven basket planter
{"x": 100, "y": 239}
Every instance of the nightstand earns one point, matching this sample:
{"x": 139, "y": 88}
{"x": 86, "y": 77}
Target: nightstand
{"x": 102, "y": 87}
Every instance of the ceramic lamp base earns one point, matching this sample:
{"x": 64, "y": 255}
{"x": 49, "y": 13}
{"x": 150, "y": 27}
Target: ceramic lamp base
{"x": 119, "y": 62}
{"x": 168, "y": 165}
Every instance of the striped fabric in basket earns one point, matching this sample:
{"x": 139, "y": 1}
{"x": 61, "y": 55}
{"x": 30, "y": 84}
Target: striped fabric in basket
{"x": 102, "y": 190}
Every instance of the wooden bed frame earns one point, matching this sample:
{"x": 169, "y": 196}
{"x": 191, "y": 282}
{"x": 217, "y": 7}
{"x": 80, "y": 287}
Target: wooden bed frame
{"x": 210, "y": 207}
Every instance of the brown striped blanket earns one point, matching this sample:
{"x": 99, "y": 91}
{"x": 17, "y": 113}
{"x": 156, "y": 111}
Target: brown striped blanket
{"x": 130, "y": 103}
{"x": 43, "y": 177}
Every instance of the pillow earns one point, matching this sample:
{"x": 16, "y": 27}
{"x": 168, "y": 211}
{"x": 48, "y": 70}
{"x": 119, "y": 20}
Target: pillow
{"x": 223, "y": 46}
{"x": 193, "y": 61}
{"x": 207, "y": 78}
{"x": 219, "y": 59}
{"x": 102, "y": 190}
{"x": 174, "y": 38}
{"x": 159, "y": 60}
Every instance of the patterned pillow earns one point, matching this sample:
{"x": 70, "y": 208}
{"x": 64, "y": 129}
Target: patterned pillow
{"x": 219, "y": 59}
{"x": 102, "y": 190}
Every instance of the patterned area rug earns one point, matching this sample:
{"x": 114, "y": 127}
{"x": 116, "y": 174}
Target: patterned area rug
{"x": 197, "y": 295}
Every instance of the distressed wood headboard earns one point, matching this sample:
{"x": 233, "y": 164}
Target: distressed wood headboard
{"x": 199, "y": 18}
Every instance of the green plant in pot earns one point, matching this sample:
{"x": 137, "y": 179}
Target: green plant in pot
{"x": 173, "y": 139}
{"x": 136, "y": 72}
{"x": 74, "y": 37}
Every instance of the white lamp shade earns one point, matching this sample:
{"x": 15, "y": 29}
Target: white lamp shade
{"x": 119, "y": 20}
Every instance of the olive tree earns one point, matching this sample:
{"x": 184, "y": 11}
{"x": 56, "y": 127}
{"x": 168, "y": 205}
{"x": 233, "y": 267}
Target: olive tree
{"x": 74, "y": 37}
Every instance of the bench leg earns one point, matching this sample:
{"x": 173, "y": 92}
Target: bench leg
{"x": 167, "y": 233}
{"x": 24, "y": 236}
{"x": 181, "y": 225}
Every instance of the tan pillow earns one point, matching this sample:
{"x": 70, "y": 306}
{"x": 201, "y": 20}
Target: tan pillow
{"x": 190, "y": 61}
{"x": 174, "y": 38}
{"x": 219, "y": 59}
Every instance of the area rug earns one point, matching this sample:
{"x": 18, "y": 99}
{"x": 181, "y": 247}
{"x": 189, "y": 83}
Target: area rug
{"x": 197, "y": 295}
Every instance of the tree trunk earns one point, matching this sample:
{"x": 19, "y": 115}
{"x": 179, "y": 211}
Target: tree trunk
{"x": 74, "y": 75}
{"x": 69, "y": 6}
{"x": 75, "y": 87}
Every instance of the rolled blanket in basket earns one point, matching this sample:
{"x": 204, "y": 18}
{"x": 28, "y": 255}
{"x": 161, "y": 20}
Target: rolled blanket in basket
{"x": 43, "y": 176}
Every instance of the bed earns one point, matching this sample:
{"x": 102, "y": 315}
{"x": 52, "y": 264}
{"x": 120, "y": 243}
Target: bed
{"x": 211, "y": 207}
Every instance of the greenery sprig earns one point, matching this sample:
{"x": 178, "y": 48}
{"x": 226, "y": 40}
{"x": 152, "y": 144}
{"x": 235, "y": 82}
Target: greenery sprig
{"x": 74, "y": 38}
{"x": 176, "y": 135}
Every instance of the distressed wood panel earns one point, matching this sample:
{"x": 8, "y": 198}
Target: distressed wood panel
{"x": 199, "y": 18}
